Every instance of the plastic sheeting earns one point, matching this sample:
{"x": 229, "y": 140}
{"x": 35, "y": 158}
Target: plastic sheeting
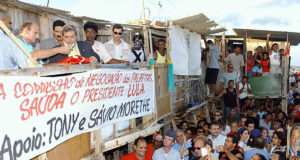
{"x": 185, "y": 51}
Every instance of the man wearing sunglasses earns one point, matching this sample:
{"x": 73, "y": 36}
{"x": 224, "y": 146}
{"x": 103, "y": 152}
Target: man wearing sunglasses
{"x": 117, "y": 47}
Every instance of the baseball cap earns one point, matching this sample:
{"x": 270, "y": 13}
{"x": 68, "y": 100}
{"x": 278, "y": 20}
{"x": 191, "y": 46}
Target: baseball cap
{"x": 170, "y": 133}
{"x": 158, "y": 137}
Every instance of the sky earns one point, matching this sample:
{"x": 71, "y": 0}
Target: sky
{"x": 278, "y": 15}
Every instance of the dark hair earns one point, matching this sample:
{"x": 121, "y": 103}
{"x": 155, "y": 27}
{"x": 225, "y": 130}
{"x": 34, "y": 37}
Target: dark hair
{"x": 161, "y": 40}
{"x": 261, "y": 157}
{"x": 237, "y": 47}
{"x": 249, "y": 121}
{"x": 91, "y": 25}
{"x": 281, "y": 155}
{"x": 58, "y": 23}
{"x": 136, "y": 141}
{"x": 209, "y": 42}
{"x": 230, "y": 81}
{"x": 117, "y": 26}
{"x": 214, "y": 123}
{"x": 274, "y": 45}
{"x": 282, "y": 138}
{"x": 244, "y": 131}
{"x": 260, "y": 143}
{"x": 235, "y": 139}
{"x": 265, "y": 115}
{"x": 139, "y": 37}
{"x": 245, "y": 77}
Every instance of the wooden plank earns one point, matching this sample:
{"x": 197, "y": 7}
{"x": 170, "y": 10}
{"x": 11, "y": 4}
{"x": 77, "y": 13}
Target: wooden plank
{"x": 163, "y": 81}
{"x": 74, "y": 148}
{"x": 163, "y": 106}
{"x": 156, "y": 81}
{"x": 98, "y": 145}
{"x": 147, "y": 120}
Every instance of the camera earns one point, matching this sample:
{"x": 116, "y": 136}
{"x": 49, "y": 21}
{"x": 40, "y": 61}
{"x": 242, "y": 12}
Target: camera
{"x": 137, "y": 43}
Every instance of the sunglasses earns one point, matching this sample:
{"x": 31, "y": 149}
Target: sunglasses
{"x": 217, "y": 115}
{"x": 197, "y": 148}
{"x": 119, "y": 33}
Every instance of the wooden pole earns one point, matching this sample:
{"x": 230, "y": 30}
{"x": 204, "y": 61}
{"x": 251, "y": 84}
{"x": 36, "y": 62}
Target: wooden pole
{"x": 145, "y": 31}
{"x": 245, "y": 51}
{"x": 31, "y": 62}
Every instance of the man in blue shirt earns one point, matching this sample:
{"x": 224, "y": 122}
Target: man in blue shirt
{"x": 259, "y": 144}
{"x": 29, "y": 32}
{"x": 181, "y": 143}
{"x": 11, "y": 56}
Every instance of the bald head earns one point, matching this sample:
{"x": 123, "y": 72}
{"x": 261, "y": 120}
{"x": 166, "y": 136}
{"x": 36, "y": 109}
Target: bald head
{"x": 5, "y": 18}
{"x": 30, "y": 32}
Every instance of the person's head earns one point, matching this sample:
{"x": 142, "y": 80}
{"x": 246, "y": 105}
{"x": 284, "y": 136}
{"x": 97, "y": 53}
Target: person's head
{"x": 231, "y": 142}
{"x": 245, "y": 79}
{"x": 274, "y": 47}
{"x": 57, "y": 27}
{"x": 281, "y": 115}
{"x": 278, "y": 156}
{"x": 209, "y": 42}
{"x": 237, "y": 50}
{"x": 260, "y": 143}
{"x": 69, "y": 34}
{"x": 259, "y": 49}
{"x": 138, "y": 37}
{"x": 249, "y": 54}
{"x": 229, "y": 68}
{"x": 258, "y": 156}
{"x": 117, "y": 32}
{"x": 230, "y": 84}
{"x": 200, "y": 142}
{"x": 200, "y": 131}
{"x": 227, "y": 52}
{"x": 179, "y": 136}
{"x": 30, "y": 32}
{"x": 265, "y": 56}
{"x": 294, "y": 138}
{"x": 249, "y": 124}
{"x": 244, "y": 135}
{"x": 140, "y": 147}
{"x": 232, "y": 111}
{"x": 279, "y": 139}
{"x": 184, "y": 125}
{"x": 169, "y": 139}
{"x": 264, "y": 132}
{"x": 234, "y": 126}
{"x": 242, "y": 121}
{"x": 217, "y": 115}
{"x": 215, "y": 128}
{"x": 5, "y": 18}
{"x": 276, "y": 125}
{"x": 281, "y": 51}
{"x": 91, "y": 31}
{"x": 267, "y": 116}
{"x": 188, "y": 133}
{"x": 157, "y": 141}
{"x": 161, "y": 44}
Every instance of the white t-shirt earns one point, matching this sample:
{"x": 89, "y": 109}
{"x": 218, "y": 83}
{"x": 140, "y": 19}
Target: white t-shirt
{"x": 220, "y": 140}
{"x": 275, "y": 58}
{"x": 244, "y": 93}
{"x": 99, "y": 48}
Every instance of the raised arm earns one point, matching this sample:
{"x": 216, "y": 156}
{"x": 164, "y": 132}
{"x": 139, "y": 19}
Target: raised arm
{"x": 267, "y": 43}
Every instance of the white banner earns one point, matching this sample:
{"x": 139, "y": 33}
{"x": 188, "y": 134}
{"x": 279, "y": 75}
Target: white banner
{"x": 185, "y": 51}
{"x": 39, "y": 113}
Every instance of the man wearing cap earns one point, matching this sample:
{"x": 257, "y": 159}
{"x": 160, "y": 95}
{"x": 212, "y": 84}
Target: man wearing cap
{"x": 167, "y": 152}
{"x": 157, "y": 143}
{"x": 181, "y": 144}
{"x": 139, "y": 153}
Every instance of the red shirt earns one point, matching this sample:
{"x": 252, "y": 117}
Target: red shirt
{"x": 150, "y": 150}
{"x": 249, "y": 67}
{"x": 265, "y": 66}
{"x": 132, "y": 156}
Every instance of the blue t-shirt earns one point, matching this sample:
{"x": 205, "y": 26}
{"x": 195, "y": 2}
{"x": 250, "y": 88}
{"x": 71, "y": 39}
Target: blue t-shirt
{"x": 248, "y": 155}
{"x": 177, "y": 147}
{"x": 214, "y": 57}
{"x": 229, "y": 76}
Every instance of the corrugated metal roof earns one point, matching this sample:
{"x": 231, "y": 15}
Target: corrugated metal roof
{"x": 294, "y": 37}
{"x": 199, "y": 23}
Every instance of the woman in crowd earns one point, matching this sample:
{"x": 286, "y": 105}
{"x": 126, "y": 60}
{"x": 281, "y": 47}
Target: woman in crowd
{"x": 265, "y": 63}
{"x": 278, "y": 142}
{"x": 250, "y": 63}
{"x": 265, "y": 135}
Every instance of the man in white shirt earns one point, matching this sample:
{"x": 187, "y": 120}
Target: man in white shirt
{"x": 91, "y": 31}
{"x": 215, "y": 136}
{"x": 237, "y": 60}
{"x": 117, "y": 48}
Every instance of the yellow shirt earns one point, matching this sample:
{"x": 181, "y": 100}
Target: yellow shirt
{"x": 160, "y": 58}
{"x": 75, "y": 51}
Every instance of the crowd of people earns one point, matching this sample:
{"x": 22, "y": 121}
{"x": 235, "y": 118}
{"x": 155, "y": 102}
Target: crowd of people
{"x": 244, "y": 128}
{"x": 260, "y": 133}
{"x": 65, "y": 44}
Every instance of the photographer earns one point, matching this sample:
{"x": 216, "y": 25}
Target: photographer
{"x": 137, "y": 49}
{"x": 201, "y": 149}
